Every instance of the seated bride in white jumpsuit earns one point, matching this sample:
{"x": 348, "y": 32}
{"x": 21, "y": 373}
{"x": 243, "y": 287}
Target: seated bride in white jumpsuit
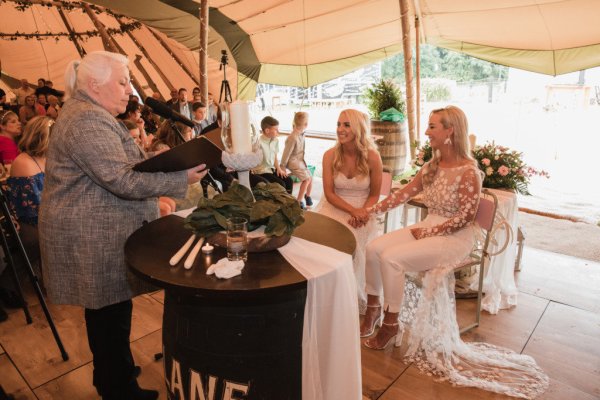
{"x": 451, "y": 188}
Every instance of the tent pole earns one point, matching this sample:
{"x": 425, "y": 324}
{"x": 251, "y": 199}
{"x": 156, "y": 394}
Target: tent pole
{"x": 408, "y": 72}
{"x": 204, "y": 51}
{"x": 110, "y": 44}
{"x": 80, "y": 49}
{"x": 418, "y": 51}
{"x": 175, "y": 56}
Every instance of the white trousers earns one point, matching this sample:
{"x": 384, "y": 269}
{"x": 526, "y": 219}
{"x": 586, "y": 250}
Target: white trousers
{"x": 390, "y": 256}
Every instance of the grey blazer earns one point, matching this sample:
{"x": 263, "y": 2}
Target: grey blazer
{"x": 92, "y": 201}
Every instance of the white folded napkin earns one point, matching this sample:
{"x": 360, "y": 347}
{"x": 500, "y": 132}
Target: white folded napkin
{"x": 225, "y": 269}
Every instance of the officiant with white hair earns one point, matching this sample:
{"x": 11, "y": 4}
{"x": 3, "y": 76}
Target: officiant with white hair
{"x": 92, "y": 201}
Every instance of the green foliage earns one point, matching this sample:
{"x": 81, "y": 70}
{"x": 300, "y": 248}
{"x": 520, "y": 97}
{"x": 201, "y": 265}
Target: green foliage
{"x": 383, "y": 95}
{"x": 441, "y": 63}
{"x": 436, "y": 89}
{"x": 274, "y": 207}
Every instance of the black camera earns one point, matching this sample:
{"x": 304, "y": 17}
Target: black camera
{"x": 224, "y": 59}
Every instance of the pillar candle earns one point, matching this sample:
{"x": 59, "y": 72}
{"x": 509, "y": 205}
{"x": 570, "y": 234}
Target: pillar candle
{"x": 472, "y": 141}
{"x": 240, "y": 127}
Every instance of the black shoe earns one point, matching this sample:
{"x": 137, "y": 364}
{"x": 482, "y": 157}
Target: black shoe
{"x": 308, "y": 201}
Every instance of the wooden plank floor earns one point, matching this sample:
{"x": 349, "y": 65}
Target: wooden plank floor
{"x": 557, "y": 321}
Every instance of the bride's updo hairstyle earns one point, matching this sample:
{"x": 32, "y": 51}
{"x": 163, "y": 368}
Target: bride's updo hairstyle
{"x": 97, "y": 65}
{"x": 454, "y": 117}
{"x": 360, "y": 125}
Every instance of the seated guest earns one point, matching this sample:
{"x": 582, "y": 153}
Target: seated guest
{"x": 26, "y": 181}
{"x": 40, "y": 104}
{"x": 3, "y": 103}
{"x": 27, "y": 111}
{"x": 352, "y": 172}
{"x": 134, "y": 114}
{"x": 183, "y": 106}
{"x": 269, "y": 168}
{"x": 151, "y": 122}
{"x": 10, "y": 129}
{"x": 167, "y": 137}
{"x": 200, "y": 122}
{"x": 53, "y": 107}
{"x": 23, "y": 91}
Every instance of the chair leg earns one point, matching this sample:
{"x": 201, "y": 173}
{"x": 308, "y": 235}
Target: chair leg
{"x": 520, "y": 243}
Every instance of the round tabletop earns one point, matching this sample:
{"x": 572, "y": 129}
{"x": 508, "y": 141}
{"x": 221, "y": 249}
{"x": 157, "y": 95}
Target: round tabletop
{"x": 149, "y": 249}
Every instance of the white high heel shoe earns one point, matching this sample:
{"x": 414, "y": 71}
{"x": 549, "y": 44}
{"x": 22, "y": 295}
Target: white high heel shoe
{"x": 396, "y": 338}
{"x": 376, "y": 322}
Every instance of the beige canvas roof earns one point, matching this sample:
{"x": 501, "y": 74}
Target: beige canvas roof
{"x": 305, "y": 42}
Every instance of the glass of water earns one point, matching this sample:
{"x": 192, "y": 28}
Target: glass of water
{"x": 237, "y": 239}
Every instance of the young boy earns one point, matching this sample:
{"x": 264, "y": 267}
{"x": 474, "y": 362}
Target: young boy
{"x": 293, "y": 158}
{"x": 269, "y": 167}
{"x": 200, "y": 122}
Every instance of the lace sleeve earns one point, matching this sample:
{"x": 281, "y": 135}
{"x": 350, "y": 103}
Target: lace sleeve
{"x": 399, "y": 196}
{"x": 469, "y": 191}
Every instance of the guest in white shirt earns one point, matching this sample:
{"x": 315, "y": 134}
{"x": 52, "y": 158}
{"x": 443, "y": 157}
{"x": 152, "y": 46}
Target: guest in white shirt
{"x": 23, "y": 92}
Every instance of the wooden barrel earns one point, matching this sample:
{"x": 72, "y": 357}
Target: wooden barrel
{"x": 233, "y": 349}
{"x": 392, "y": 143}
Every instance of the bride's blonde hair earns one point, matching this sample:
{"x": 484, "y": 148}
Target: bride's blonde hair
{"x": 360, "y": 126}
{"x": 451, "y": 116}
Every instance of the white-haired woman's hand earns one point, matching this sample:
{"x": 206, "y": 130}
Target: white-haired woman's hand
{"x": 196, "y": 173}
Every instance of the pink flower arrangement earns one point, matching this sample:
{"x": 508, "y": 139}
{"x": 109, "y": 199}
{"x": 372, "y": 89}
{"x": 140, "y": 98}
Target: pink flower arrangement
{"x": 503, "y": 168}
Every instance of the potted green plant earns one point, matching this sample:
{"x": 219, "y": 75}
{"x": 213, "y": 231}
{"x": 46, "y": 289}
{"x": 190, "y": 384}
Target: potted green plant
{"x": 388, "y": 127}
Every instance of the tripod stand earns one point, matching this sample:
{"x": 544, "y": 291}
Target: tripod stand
{"x": 225, "y": 93}
{"x": 9, "y": 231}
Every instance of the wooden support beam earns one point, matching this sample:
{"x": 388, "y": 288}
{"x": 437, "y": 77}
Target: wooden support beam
{"x": 204, "y": 51}
{"x": 72, "y": 35}
{"x": 175, "y": 57}
{"x": 410, "y": 102}
{"x": 111, "y": 45}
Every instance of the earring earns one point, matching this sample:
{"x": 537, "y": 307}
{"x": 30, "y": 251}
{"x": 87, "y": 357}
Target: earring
{"x": 448, "y": 141}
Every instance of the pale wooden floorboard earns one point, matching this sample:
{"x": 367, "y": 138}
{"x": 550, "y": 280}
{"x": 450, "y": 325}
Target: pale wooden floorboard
{"x": 566, "y": 345}
{"x": 564, "y": 339}
{"x": 560, "y": 278}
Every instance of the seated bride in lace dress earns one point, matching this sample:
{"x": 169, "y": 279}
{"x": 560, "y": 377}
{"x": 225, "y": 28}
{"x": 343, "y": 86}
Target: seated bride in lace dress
{"x": 352, "y": 172}
{"x": 451, "y": 187}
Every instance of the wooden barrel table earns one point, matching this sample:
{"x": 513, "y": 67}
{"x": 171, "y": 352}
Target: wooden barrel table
{"x": 234, "y": 338}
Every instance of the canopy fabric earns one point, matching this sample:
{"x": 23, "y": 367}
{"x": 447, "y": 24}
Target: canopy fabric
{"x": 306, "y": 42}
{"x": 158, "y": 62}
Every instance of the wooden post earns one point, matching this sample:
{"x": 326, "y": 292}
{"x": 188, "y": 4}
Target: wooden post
{"x": 418, "y": 51}
{"x": 110, "y": 44}
{"x": 410, "y": 103}
{"x": 204, "y": 51}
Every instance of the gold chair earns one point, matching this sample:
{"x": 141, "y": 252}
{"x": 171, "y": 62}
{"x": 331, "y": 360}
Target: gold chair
{"x": 486, "y": 214}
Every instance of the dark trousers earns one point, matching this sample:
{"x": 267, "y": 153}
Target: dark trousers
{"x": 108, "y": 330}
{"x": 286, "y": 182}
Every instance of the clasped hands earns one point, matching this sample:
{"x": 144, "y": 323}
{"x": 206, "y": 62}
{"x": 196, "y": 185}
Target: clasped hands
{"x": 358, "y": 217}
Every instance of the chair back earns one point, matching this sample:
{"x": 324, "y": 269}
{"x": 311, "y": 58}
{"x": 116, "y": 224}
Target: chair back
{"x": 386, "y": 183}
{"x": 486, "y": 212}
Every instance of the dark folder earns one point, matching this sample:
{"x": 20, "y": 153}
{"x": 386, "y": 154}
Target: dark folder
{"x": 187, "y": 155}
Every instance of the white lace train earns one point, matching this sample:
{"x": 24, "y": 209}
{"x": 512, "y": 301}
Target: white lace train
{"x": 435, "y": 346}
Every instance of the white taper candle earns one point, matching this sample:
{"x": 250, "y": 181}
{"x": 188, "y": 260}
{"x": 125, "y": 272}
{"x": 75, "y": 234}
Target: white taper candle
{"x": 240, "y": 127}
